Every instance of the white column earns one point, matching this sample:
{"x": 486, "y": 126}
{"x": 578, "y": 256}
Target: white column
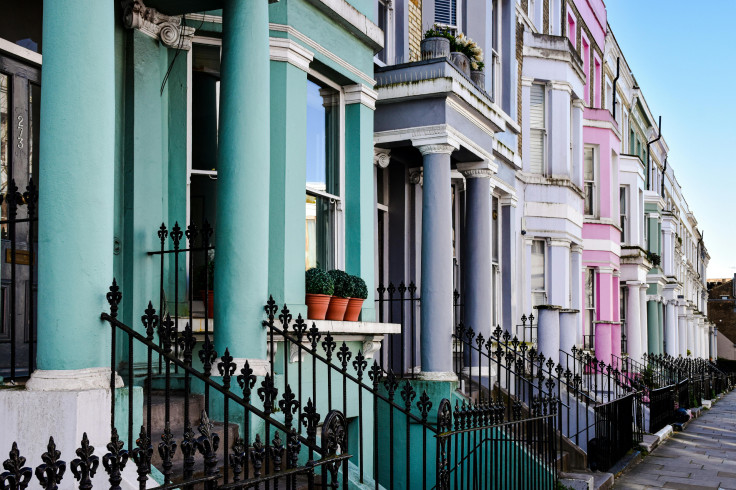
{"x": 558, "y": 292}
{"x": 576, "y": 264}
{"x": 691, "y": 335}
{"x": 577, "y": 142}
{"x": 633, "y": 321}
{"x": 682, "y": 330}
{"x": 671, "y": 325}
{"x": 643, "y": 325}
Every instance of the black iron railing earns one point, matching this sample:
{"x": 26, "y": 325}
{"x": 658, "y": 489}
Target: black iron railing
{"x": 683, "y": 394}
{"x": 618, "y": 428}
{"x": 19, "y": 237}
{"x": 661, "y": 407}
{"x": 475, "y": 450}
{"x": 399, "y": 305}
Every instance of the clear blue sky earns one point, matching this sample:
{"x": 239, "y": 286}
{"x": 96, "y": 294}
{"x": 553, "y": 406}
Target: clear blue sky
{"x": 682, "y": 55}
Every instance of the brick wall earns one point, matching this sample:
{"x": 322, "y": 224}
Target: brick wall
{"x": 545, "y": 17}
{"x": 415, "y": 29}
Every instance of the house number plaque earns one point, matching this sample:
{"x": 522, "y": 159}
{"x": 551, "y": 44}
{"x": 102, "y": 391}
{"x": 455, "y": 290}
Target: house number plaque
{"x": 20, "y": 132}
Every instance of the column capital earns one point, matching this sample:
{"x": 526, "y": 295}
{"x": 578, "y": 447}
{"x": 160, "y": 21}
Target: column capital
{"x": 633, "y": 284}
{"x": 508, "y": 200}
{"x": 381, "y": 157}
{"x": 578, "y": 104}
{"x": 436, "y": 148}
{"x": 605, "y": 270}
{"x": 576, "y": 248}
{"x": 559, "y": 242}
{"x": 435, "y": 143}
{"x": 283, "y": 49}
{"x": 167, "y": 29}
{"x": 562, "y": 86}
{"x": 476, "y": 170}
{"x": 360, "y": 94}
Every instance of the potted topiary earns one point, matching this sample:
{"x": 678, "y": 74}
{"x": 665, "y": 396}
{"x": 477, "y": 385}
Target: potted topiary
{"x": 358, "y": 294}
{"x": 319, "y": 288}
{"x": 436, "y": 43}
{"x": 341, "y": 295}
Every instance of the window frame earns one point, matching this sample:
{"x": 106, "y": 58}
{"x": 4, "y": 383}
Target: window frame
{"x": 542, "y": 291}
{"x": 594, "y": 187}
{"x": 542, "y": 130}
{"x": 624, "y": 213}
{"x": 338, "y": 238}
{"x": 388, "y": 33}
{"x": 589, "y": 329}
{"x": 572, "y": 21}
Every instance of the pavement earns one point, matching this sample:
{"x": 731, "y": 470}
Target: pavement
{"x": 703, "y": 456}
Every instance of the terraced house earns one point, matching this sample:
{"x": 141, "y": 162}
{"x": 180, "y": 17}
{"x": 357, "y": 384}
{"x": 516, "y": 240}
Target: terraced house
{"x": 485, "y": 175}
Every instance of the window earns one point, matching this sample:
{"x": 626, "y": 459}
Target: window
{"x": 596, "y": 102}
{"x": 382, "y": 225}
{"x": 572, "y": 30}
{"x": 384, "y": 23}
{"x": 445, "y": 12}
{"x": 539, "y": 294}
{"x": 623, "y": 210}
{"x": 323, "y": 184}
{"x": 646, "y": 232}
{"x": 589, "y": 314}
{"x": 589, "y": 181}
{"x": 537, "y": 127}
{"x": 609, "y": 96}
{"x": 495, "y": 60}
{"x": 586, "y": 67}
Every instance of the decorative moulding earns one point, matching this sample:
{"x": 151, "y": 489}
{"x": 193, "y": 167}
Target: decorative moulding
{"x": 283, "y": 49}
{"x": 167, "y": 29}
{"x": 360, "y": 94}
{"x": 381, "y": 157}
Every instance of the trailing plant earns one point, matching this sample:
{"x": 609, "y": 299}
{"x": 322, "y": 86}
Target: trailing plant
{"x": 439, "y": 31}
{"x": 318, "y": 281}
{"x": 470, "y": 48}
{"x": 342, "y": 283}
{"x": 358, "y": 289}
{"x": 655, "y": 259}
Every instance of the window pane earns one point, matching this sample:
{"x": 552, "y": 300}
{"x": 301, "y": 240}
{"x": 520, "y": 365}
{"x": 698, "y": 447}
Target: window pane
{"x": 537, "y": 265}
{"x": 323, "y": 139}
{"x": 495, "y": 217}
{"x": 589, "y": 172}
{"x": 588, "y": 198}
{"x": 319, "y": 232}
{"x": 589, "y": 288}
{"x": 20, "y": 23}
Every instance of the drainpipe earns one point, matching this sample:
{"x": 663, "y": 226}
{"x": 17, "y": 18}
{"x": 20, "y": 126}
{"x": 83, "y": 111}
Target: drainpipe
{"x": 615, "y": 84}
{"x": 663, "y": 173}
{"x": 659, "y": 135}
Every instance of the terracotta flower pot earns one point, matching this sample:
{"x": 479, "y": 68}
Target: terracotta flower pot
{"x": 317, "y": 306}
{"x": 353, "y": 310}
{"x": 336, "y": 311}
{"x": 209, "y": 297}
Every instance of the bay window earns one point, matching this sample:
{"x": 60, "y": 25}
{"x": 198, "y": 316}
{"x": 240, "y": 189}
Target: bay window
{"x": 323, "y": 174}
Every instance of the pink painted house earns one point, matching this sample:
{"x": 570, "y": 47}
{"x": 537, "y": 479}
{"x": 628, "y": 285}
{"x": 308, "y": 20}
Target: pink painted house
{"x": 601, "y": 325}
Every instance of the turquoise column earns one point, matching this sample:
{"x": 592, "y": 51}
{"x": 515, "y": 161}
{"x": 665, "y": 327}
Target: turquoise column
{"x": 76, "y": 206}
{"x": 653, "y": 327}
{"x": 288, "y": 178}
{"x": 241, "y": 231}
{"x": 359, "y": 189}
{"x": 660, "y": 328}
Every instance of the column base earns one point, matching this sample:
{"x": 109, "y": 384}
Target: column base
{"x": 436, "y": 376}
{"x": 260, "y": 367}
{"x": 72, "y": 380}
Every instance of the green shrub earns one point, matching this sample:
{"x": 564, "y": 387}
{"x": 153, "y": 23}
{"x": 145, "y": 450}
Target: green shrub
{"x": 358, "y": 289}
{"x": 318, "y": 281}
{"x": 342, "y": 283}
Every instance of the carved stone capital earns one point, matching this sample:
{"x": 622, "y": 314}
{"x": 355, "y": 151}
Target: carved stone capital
{"x": 167, "y": 29}
{"x": 416, "y": 176}
{"x": 441, "y": 148}
{"x": 381, "y": 157}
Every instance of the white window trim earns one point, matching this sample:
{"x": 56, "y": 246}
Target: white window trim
{"x": 389, "y": 35}
{"x": 625, "y": 228}
{"x": 19, "y": 51}
{"x": 545, "y": 117}
{"x": 574, "y": 39}
{"x": 596, "y": 158}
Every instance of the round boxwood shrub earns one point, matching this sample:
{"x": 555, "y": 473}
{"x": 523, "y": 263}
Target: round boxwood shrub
{"x": 358, "y": 289}
{"x": 318, "y": 281}
{"x": 342, "y": 283}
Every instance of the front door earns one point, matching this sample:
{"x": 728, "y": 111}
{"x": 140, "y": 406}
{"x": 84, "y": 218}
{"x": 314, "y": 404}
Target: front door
{"x": 20, "y": 97}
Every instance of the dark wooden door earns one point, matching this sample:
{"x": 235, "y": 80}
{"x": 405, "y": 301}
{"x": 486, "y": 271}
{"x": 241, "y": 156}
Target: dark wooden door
{"x": 20, "y": 98}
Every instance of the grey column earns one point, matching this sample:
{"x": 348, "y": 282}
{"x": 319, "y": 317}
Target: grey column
{"x": 477, "y": 263}
{"x": 548, "y": 330}
{"x": 436, "y": 287}
{"x": 509, "y": 273}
